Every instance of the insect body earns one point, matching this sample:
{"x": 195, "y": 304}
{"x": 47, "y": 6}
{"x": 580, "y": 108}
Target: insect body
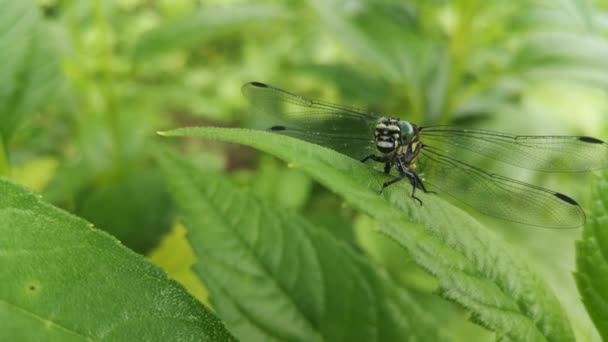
{"x": 440, "y": 153}
{"x": 398, "y": 141}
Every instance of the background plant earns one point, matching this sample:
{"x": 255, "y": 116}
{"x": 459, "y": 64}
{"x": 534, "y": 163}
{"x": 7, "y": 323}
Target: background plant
{"x": 87, "y": 84}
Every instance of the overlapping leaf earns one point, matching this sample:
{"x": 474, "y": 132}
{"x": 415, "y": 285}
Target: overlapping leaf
{"x": 275, "y": 277}
{"x": 473, "y": 267}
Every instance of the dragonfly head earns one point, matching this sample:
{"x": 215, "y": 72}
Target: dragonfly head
{"x": 392, "y": 133}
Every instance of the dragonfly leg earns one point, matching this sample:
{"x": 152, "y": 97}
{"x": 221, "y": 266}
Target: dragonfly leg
{"x": 387, "y": 167}
{"x": 379, "y": 159}
{"x": 414, "y": 180}
{"x": 413, "y": 195}
{"x": 392, "y": 181}
{"x": 421, "y": 184}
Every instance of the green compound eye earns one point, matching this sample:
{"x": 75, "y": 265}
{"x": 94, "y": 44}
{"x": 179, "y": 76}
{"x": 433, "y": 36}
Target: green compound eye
{"x": 407, "y": 132}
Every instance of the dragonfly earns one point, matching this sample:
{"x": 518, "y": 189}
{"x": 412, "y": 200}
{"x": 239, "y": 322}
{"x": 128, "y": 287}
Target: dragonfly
{"x": 428, "y": 156}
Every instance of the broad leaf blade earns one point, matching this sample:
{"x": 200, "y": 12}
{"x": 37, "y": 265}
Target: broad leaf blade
{"x": 274, "y": 276}
{"x": 60, "y": 279}
{"x": 592, "y": 258}
{"x": 473, "y": 268}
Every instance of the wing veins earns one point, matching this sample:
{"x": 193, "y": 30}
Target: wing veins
{"x": 516, "y": 193}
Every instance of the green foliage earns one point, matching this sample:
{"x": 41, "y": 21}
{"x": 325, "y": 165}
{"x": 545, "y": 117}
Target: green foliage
{"x": 64, "y": 280}
{"x": 505, "y": 296}
{"x": 275, "y": 276}
{"x": 592, "y": 258}
{"x": 135, "y": 209}
{"x": 86, "y": 84}
{"x": 203, "y": 25}
{"x": 29, "y": 64}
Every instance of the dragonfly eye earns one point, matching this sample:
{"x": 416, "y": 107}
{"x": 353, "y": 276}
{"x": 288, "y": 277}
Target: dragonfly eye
{"x": 407, "y": 132}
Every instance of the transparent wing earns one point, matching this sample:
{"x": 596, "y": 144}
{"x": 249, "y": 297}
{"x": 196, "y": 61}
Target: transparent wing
{"x": 498, "y": 196}
{"x": 345, "y": 129}
{"x": 541, "y": 153}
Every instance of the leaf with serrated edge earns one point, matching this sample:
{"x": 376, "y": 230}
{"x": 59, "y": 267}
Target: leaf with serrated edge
{"x": 62, "y": 280}
{"x": 592, "y": 258}
{"x": 275, "y": 276}
{"x": 472, "y": 266}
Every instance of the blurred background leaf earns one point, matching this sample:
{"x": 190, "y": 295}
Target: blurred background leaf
{"x": 29, "y": 64}
{"x": 206, "y": 24}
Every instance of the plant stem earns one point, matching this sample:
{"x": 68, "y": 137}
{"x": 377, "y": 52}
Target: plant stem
{"x": 4, "y": 164}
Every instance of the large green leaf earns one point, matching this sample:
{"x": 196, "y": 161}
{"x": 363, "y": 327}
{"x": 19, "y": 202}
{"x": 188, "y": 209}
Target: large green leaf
{"x": 592, "y": 258}
{"x": 29, "y": 63}
{"x": 472, "y": 266}
{"x": 273, "y": 276}
{"x": 61, "y": 279}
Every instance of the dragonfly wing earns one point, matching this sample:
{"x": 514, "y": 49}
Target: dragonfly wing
{"x": 345, "y": 129}
{"x": 541, "y": 153}
{"x": 353, "y": 146}
{"x": 498, "y": 196}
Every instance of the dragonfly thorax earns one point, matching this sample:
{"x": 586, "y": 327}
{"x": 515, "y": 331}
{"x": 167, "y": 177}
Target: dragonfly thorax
{"x": 392, "y": 133}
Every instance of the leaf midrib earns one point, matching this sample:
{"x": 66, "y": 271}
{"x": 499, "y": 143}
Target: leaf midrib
{"x": 262, "y": 266}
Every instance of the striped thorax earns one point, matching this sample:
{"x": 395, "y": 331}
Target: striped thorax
{"x": 391, "y": 134}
